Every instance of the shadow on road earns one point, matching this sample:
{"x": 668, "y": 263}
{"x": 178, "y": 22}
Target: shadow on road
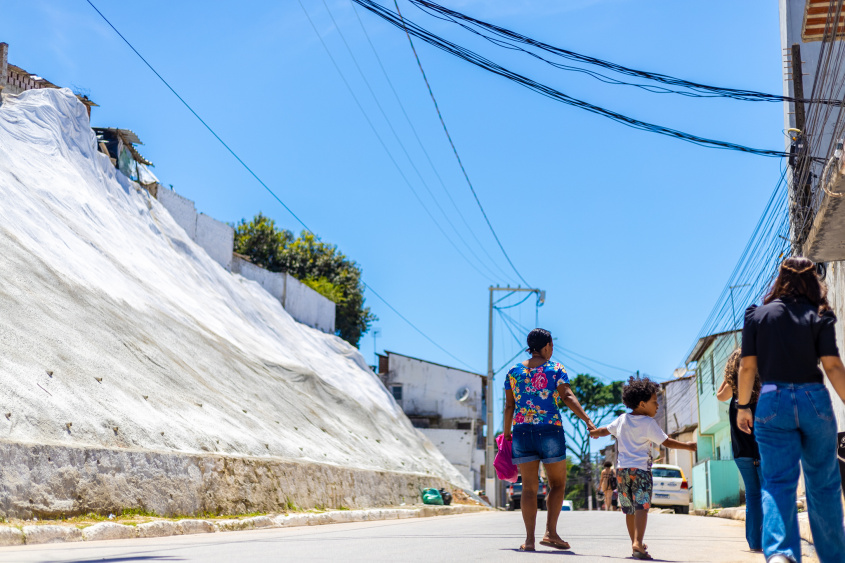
{"x": 123, "y": 559}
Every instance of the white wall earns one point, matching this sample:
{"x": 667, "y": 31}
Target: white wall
{"x": 217, "y": 238}
{"x": 429, "y": 388}
{"x": 272, "y": 282}
{"x": 300, "y": 301}
{"x": 181, "y": 209}
{"x": 836, "y": 296}
{"x": 457, "y": 446}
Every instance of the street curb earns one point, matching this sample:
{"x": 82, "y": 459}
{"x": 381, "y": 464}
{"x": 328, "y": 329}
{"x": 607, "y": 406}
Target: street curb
{"x": 51, "y": 533}
{"x": 738, "y": 513}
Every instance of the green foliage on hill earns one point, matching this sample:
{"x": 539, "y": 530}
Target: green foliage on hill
{"x": 319, "y": 265}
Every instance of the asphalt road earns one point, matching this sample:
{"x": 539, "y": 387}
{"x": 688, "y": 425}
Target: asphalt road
{"x": 489, "y": 537}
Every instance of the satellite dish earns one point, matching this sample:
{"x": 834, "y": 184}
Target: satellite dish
{"x": 462, "y": 394}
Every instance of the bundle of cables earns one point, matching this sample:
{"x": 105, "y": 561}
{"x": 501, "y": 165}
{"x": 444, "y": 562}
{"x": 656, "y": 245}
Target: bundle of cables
{"x": 480, "y": 61}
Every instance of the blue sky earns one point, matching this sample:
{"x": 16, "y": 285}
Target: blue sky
{"x": 631, "y": 234}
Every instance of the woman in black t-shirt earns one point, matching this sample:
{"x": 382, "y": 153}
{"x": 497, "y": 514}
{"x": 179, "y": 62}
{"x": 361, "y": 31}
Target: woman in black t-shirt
{"x": 746, "y": 454}
{"x": 784, "y": 339}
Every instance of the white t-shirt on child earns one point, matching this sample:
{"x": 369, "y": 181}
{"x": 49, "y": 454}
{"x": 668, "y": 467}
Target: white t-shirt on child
{"x": 633, "y": 433}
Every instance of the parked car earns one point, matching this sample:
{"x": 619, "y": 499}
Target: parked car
{"x": 671, "y": 489}
{"x": 514, "y": 494}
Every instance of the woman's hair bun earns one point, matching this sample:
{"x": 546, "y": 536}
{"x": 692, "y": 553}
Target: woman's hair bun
{"x": 538, "y": 338}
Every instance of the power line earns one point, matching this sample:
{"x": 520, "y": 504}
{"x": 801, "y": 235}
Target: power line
{"x": 473, "y": 58}
{"x": 260, "y": 181}
{"x": 412, "y": 325}
{"x": 509, "y": 39}
{"x": 201, "y": 120}
{"x": 421, "y": 144}
{"x": 395, "y": 134}
{"x": 386, "y": 150}
{"x": 518, "y": 303}
{"x": 454, "y": 149}
{"x": 628, "y": 371}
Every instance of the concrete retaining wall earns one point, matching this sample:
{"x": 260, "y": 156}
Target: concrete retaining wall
{"x": 51, "y": 481}
{"x": 308, "y": 307}
{"x": 300, "y": 301}
{"x": 181, "y": 209}
{"x": 217, "y": 239}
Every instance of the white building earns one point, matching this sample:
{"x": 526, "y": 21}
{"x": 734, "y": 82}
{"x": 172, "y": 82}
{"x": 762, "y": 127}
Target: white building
{"x": 678, "y": 416}
{"x": 444, "y": 403}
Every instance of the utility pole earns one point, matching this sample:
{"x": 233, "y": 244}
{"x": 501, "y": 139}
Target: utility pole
{"x": 490, "y": 485}
{"x": 376, "y": 332}
{"x": 733, "y": 313}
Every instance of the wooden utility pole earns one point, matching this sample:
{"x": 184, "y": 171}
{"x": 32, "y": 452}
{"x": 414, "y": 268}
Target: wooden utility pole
{"x": 801, "y": 174}
{"x": 798, "y": 87}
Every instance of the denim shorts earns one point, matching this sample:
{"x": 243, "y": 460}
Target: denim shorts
{"x": 538, "y": 442}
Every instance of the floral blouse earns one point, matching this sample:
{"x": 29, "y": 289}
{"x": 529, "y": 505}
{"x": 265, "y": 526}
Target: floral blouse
{"x": 535, "y": 392}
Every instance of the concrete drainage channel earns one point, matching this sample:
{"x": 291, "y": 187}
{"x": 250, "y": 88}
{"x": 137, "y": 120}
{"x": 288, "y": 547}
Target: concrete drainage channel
{"x": 53, "y": 533}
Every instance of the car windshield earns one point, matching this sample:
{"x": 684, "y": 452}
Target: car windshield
{"x": 666, "y": 473}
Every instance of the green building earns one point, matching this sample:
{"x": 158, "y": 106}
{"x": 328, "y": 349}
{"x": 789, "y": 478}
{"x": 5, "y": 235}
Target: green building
{"x": 715, "y": 478}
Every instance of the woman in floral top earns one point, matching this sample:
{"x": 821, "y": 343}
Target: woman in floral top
{"x": 532, "y": 389}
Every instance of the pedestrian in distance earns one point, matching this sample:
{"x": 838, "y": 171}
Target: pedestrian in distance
{"x": 784, "y": 340}
{"x": 746, "y": 453}
{"x": 534, "y": 425}
{"x": 607, "y": 483}
{"x": 634, "y": 433}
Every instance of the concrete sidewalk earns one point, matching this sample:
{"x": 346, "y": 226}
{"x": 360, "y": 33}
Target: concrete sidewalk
{"x": 738, "y": 513}
{"x": 68, "y": 532}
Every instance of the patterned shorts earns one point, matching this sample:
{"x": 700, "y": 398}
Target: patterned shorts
{"x": 635, "y": 486}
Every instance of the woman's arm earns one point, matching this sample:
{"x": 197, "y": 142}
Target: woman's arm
{"x": 747, "y": 373}
{"x": 835, "y": 373}
{"x": 510, "y": 406}
{"x": 571, "y": 401}
{"x": 725, "y": 392}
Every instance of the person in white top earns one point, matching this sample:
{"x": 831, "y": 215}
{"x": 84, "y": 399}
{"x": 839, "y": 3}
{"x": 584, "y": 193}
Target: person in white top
{"x": 634, "y": 433}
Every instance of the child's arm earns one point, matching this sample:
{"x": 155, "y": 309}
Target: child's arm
{"x": 676, "y": 445}
{"x": 599, "y": 432}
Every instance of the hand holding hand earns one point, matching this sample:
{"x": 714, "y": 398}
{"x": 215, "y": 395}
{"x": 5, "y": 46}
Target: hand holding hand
{"x": 594, "y": 433}
{"x": 744, "y": 420}
{"x": 590, "y": 425}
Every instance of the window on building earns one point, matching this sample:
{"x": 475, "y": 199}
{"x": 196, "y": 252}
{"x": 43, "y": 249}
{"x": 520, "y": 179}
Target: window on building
{"x": 397, "y": 392}
{"x": 464, "y": 426}
{"x": 712, "y": 372}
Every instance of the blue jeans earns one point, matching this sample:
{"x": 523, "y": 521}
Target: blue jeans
{"x": 752, "y": 476}
{"x": 795, "y": 423}
{"x": 533, "y": 442}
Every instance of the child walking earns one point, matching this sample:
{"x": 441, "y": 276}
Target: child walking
{"x": 634, "y": 433}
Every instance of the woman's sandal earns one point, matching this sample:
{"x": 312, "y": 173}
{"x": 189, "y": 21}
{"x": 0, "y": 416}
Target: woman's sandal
{"x": 523, "y": 548}
{"x": 555, "y": 544}
{"x": 642, "y": 555}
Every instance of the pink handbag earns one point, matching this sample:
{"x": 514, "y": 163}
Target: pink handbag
{"x": 503, "y": 463}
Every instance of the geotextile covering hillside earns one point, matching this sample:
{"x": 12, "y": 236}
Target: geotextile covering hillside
{"x": 119, "y": 332}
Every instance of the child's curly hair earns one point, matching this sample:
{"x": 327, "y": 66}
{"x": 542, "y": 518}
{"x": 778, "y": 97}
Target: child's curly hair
{"x": 638, "y": 389}
{"x": 732, "y": 376}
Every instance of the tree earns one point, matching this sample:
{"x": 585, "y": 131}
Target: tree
{"x": 317, "y": 264}
{"x": 601, "y": 402}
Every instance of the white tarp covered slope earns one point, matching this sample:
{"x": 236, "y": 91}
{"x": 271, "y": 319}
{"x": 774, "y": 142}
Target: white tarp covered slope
{"x": 151, "y": 344}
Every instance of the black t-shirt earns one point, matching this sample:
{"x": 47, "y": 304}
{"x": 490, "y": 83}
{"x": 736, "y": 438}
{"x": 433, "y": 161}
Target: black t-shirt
{"x": 744, "y": 445}
{"x": 788, "y": 336}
